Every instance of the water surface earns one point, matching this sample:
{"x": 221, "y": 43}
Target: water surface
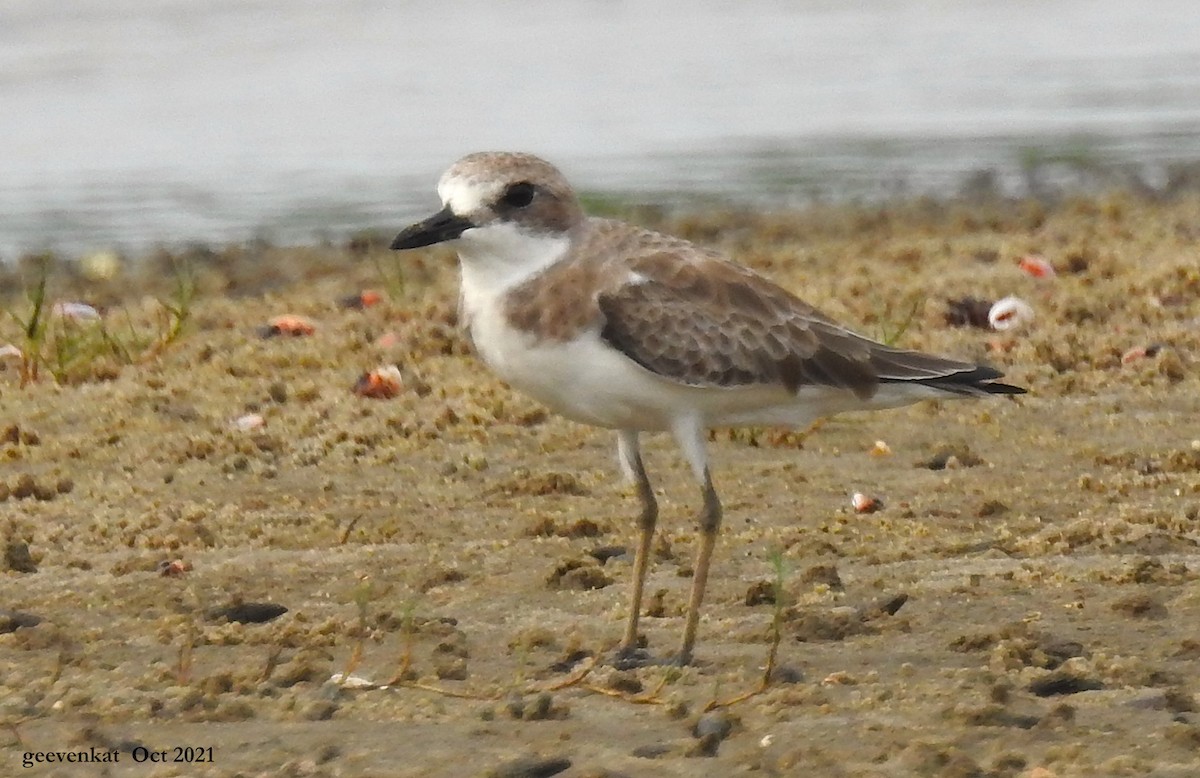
{"x": 130, "y": 123}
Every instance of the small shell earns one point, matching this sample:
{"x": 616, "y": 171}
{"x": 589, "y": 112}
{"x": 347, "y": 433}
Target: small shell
{"x": 75, "y": 311}
{"x": 382, "y": 383}
{"x": 364, "y": 299}
{"x": 1140, "y": 352}
{"x": 1010, "y": 313}
{"x": 881, "y": 449}
{"x": 288, "y": 324}
{"x": 249, "y": 422}
{"x": 174, "y": 568}
{"x": 1036, "y": 266}
{"x": 9, "y": 351}
{"x": 864, "y": 504}
{"x": 353, "y": 681}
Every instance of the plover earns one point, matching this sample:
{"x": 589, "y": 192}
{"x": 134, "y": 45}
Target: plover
{"x": 616, "y": 326}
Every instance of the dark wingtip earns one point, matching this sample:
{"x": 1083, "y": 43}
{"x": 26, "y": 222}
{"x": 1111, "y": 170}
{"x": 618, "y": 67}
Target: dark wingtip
{"x": 980, "y": 380}
{"x": 996, "y": 387}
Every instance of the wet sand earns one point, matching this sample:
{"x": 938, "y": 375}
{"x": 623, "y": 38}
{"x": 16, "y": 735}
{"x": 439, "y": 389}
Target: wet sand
{"x": 1025, "y": 603}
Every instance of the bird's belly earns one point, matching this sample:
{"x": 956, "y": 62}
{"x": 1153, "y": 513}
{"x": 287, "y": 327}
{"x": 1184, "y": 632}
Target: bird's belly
{"x": 582, "y": 379}
{"x": 588, "y": 381}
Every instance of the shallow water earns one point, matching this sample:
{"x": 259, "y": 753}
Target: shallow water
{"x": 132, "y": 122}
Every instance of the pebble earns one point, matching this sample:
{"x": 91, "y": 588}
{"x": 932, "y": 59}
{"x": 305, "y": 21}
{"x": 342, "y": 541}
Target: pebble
{"x": 717, "y": 722}
{"x": 530, "y": 767}
{"x": 1059, "y": 682}
{"x": 248, "y": 612}
{"x": 968, "y": 311}
{"x": 653, "y": 750}
{"x": 11, "y": 621}
{"x": 18, "y": 558}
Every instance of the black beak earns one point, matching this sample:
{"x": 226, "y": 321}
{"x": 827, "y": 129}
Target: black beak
{"x": 442, "y": 226}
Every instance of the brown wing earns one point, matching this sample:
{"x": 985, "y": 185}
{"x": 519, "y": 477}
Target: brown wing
{"x": 703, "y": 321}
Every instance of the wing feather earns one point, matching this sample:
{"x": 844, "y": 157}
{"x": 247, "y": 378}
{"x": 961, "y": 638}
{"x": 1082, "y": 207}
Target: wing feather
{"x": 700, "y": 320}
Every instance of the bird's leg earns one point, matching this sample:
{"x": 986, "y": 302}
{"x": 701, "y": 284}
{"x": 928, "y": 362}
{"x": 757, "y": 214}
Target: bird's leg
{"x": 631, "y": 461}
{"x": 710, "y": 524}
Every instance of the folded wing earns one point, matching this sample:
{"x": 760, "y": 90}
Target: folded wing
{"x": 695, "y": 318}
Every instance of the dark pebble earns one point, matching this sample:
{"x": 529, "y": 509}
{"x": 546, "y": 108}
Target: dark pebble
{"x": 652, "y": 751}
{"x": 604, "y": 553}
{"x": 1058, "y": 683}
{"x": 787, "y": 674}
{"x": 17, "y": 557}
{"x": 249, "y": 612}
{"x": 718, "y": 723}
{"x": 968, "y": 312}
{"x": 530, "y": 767}
{"x": 11, "y": 621}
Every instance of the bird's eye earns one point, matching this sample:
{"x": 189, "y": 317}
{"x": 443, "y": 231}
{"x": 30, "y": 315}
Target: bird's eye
{"x": 518, "y": 195}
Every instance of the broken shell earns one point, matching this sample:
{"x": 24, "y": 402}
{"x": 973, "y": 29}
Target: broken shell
{"x": 75, "y": 311}
{"x": 288, "y": 324}
{"x": 1140, "y": 352}
{"x": 251, "y": 421}
{"x": 880, "y": 449}
{"x": 354, "y": 681}
{"x": 173, "y": 568}
{"x": 1010, "y": 313}
{"x": 1036, "y": 266}
{"x": 864, "y": 504}
{"x": 382, "y": 383}
{"x": 9, "y": 351}
{"x": 364, "y": 299}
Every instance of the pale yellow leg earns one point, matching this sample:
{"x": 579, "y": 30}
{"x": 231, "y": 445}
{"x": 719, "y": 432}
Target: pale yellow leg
{"x": 710, "y": 524}
{"x": 641, "y": 560}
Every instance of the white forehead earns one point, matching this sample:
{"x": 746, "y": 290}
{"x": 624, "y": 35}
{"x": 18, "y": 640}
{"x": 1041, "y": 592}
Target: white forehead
{"x": 467, "y": 194}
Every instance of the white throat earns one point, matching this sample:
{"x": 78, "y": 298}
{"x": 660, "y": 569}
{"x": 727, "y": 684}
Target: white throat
{"x": 499, "y": 256}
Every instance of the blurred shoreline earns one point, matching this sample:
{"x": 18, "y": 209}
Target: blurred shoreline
{"x": 772, "y": 180}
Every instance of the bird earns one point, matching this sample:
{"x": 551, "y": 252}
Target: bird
{"x": 620, "y": 327}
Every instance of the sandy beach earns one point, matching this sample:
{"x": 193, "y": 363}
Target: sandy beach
{"x": 1025, "y": 602}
